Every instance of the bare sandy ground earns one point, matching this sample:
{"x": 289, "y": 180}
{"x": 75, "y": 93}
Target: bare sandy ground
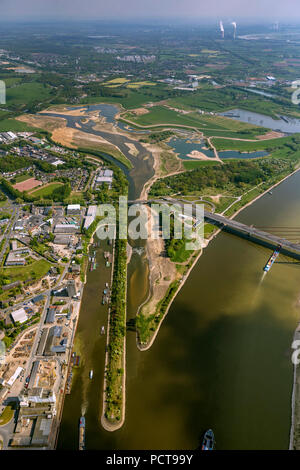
{"x": 62, "y": 134}
{"x": 132, "y": 149}
{"x": 140, "y": 111}
{"x": 44, "y": 122}
{"x": 156, "y": 151}
{"x": 67, "y": 112}
{"x": 162, "y": 271}
{"x": 270, "y": 135}
{"x": 26, "y": 185}
{"x": 195, "y": 154}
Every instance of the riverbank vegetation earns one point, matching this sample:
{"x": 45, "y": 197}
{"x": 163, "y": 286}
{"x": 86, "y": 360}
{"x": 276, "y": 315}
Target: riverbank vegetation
{"x": 114, "y": 373}
{"x": 233, "y": 178}
{"x": 146, "y": 325}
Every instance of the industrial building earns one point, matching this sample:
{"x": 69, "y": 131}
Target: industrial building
{"x": 14, "y": 257}
{"x": 42, "y": 343}
{"x": 63, "y": 239}
{"x": 33, "y": 374}
{"x": 56, "y": 341}
{"x": 14, "y": 377}
{"x": 71, "y": 288}
{"x": 73, "y": 209}
{"x": 35, "y": 418}
{"x": 104, "y": 176}
{"x": 19, "y": 316}
{"x": 50, "y": 318}
{"x": 66, "y": 228}
{"x": 90, "y": 216}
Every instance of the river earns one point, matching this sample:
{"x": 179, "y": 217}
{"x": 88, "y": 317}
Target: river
{"x": 284, "y": 124}
{"x": 222, "y": 358}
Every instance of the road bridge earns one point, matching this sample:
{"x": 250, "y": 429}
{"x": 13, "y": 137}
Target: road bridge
{"x": 250, "y": 233}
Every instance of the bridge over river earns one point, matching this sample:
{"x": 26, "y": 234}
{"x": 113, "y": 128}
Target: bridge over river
{"x": 250, "y": 233}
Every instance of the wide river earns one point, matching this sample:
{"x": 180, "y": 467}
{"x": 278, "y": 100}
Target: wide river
{"x": 222, "y": 358}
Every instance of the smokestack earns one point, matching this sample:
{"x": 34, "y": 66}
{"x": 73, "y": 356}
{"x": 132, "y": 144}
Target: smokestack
{"x": 234, "y": 29}
{"x": 222, "y": 29}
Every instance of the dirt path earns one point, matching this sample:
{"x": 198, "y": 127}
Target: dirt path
{"x": 215, "y": 150}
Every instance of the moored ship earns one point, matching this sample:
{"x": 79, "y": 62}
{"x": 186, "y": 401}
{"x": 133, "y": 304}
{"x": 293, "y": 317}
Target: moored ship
{"x": 82, "y": 433}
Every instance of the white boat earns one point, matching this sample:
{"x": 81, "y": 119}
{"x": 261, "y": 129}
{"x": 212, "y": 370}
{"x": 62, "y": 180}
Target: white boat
{"x": 102, "y": 330}
{"x": 91, "y": 374}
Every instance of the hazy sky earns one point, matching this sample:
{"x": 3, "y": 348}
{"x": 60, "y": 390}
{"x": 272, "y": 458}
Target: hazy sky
{"x": 126, "y": 9}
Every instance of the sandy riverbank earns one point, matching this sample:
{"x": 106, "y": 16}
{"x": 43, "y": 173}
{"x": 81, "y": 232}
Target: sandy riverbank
{"x": 157, "y": 152}
{"x": 162, "y": 271}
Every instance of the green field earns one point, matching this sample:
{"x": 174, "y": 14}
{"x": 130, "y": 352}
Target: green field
{"x": 131, "y": 99}
{"x": 244, "y": 146}
{"x": 35, "y": 270}
{"x": 190, "y": 165}
{"x": 209, "y": 124}
{"x": 223, "y": 99}
{"x": 21, "y": 178}
{"x": 46, "y": 190}
{"x": 26, "y": 93}
{"x": 13, "y": 125}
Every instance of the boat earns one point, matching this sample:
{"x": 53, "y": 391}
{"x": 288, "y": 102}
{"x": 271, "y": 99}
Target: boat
{"x": 208, "y": 442}
{"x": 102, "y": 330}
{"x": 106, "y": 284}
{"x": 284, "y": 119}
{"x": 270, "y": 192}
{"x": 91, "y": 374}
{"x": 272, "y": 260}
{"x": 82, "y": 433}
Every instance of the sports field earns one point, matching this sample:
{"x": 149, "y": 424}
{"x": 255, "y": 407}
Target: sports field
{"x": 45, "y": 190}
{"x": 27, "y": 185}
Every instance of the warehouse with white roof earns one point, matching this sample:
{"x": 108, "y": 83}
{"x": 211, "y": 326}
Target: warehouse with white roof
{"x": 19, "y": 316}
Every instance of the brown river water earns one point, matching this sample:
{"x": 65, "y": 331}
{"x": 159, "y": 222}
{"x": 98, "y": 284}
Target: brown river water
{"x": 222, "y": 358}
